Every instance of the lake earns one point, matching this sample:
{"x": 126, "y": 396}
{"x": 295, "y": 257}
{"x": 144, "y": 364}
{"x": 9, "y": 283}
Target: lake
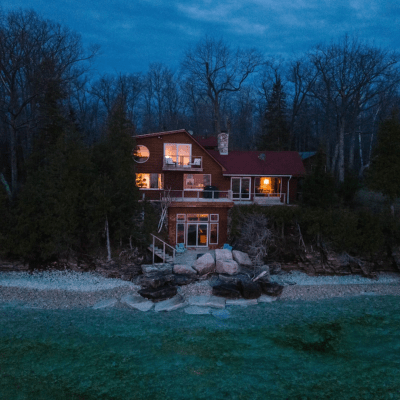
{"x": 331, "y": 349}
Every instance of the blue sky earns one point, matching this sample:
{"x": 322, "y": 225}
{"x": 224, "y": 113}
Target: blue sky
{"x": 134, "y": 33}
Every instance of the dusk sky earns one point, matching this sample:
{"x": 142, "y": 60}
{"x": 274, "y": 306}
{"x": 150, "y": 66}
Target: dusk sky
{"x": 132, "y": 34}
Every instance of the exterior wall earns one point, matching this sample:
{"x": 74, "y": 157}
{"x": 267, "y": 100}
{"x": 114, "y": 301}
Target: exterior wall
{"x": 292, "y": 189}
{"x": 174, "y": 179}
{"x": 195, "y": 208}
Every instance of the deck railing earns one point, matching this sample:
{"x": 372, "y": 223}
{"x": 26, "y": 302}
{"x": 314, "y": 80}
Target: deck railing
{"x": 199, "y": 195}
{"x": 166, "y": 249}
{"x": 260, "y": 198}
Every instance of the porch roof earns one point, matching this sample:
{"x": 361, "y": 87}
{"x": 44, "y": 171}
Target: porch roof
{"x": 253, "y": 163}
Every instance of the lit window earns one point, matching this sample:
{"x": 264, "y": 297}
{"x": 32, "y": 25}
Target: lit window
{"x": 196, "y": 181}
{"x": 178, "y": 153}
{"x": 197, "y": 217}
{"x": 150, "y": 181}
{"x": 141, "y": 154}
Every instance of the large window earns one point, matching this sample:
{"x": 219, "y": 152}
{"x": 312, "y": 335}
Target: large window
{"x": 196, "y": 181}
{"x": 197, "y": 230}
{"x": 150, "y": 181}
{"x": 265, "y": 185}
{"x": 177, "y": 153}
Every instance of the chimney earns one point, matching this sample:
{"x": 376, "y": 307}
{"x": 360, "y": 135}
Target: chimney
{"x": 223, "y": 141}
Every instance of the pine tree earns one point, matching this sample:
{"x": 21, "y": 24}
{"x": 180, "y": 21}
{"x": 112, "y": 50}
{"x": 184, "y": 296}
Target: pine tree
{"x": 275, "y": 135}
{"x": 114, "y": 191}
{"x": 384, "y": 172}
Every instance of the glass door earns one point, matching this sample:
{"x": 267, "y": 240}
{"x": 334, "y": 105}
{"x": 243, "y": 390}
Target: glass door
{"x": 197, "y": 235}
{"x": 241, "y": 188}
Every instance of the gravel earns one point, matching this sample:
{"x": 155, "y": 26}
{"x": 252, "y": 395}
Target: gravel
{"x": 66, "y": 289}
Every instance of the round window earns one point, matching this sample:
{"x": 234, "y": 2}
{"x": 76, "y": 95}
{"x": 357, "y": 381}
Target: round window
{"x": 141, "y": 154}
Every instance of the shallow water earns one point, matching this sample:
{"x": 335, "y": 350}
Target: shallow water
{"x": 331, "y": 349}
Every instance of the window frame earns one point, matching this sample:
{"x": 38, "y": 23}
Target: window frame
{"x": 177, "y": 151}
{"x": 133, "y": 155}
{"x": 151, "y": 173}
{"x": 195, "y": 189}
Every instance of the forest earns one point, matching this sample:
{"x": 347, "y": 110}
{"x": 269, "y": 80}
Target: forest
{"x": 67, "y": 133}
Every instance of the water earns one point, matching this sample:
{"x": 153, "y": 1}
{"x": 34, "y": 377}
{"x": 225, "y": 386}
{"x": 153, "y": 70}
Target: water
{"x": 331, "y": 349}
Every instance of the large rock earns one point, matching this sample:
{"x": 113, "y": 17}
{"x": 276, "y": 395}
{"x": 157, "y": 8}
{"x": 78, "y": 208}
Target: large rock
{"x": 249, "y": 290}
{"x": 159, "y": 294}
{"x": 137, "y": 302}
{"x": 260, "y": 269}
{"x": 156, "y": 280}
{"x": 184, "y": 270}
{"x": 223, "y": 254}
{"x": 270, "y": 289}
{"x": 229, "y": 267}
{"x": 204, "y": 264}
{"x": 196, "y": 310}
{"x": 242, "y": 258}
{"x": 227, "y": 290}
{"x": 181, "y": 280}
{"x": 241, "y": 302}
{"x": 172, "y": 304}
{"x": 207, "y": 301}
{"x": 234, "y": 278}
{"x": 159, "y": 268}
{"x": 105, "y": 303}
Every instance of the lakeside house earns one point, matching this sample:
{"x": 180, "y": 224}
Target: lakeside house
{"x": 199, "y": 180}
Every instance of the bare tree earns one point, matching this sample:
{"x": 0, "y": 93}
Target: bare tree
{"x": 218, "y": 69}
{"x": 34, "y": 53}
{"x": 351, "y": 76}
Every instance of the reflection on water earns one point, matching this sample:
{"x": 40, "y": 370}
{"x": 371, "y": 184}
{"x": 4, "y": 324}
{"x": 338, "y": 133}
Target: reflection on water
{"x": 333, "y": 349}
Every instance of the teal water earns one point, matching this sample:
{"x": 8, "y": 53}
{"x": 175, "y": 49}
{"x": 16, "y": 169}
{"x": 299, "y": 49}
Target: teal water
{"x": 331, "y": 349}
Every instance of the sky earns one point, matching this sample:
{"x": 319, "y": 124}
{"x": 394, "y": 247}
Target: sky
{"x": 134, "y": 33}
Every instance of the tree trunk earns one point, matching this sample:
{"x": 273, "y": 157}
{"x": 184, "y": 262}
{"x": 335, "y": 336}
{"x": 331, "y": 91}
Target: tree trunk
{"x": 217, "y": 124}
{"x": 14, "y": 167}
{"x": 108, "y": 241}
{"x": 352, "y": 151}
{"x": 341, "y": 151}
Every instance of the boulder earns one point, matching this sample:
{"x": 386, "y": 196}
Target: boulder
{"x": 159, "y": 294}
{"x": 229, "y": 267}
{"x": 197, "y": 310}
{"x": 156, "y": 280}
{"x": 207, "y": 301}
{"x": 105, "y": 303}
{"x": 242, "y": 258}
{"x": 234, "y": 278}
{"x": 259, "y": 269}
{"x": 181, "y": 280}
{"x": 137, "y": 302}
{"x": 249, "y": 290}
{"x": 270, "y": 288}
{"x": 241, "y": 302}
{"x": 204, "y": 264}
{"x": 184, "y": 270}
{"x": 172, "y": 304}
{"x": 266, "y": 299}
{"x": 223, "y": 254}
{"x": 159, "y": 268}
{"x": 227, "y": 290}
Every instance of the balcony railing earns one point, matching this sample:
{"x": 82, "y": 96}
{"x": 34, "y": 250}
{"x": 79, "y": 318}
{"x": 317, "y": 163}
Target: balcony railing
{"x": 183, "y": 163}
{"x": 259, "y": 198}
{"x": 198, "y": 195}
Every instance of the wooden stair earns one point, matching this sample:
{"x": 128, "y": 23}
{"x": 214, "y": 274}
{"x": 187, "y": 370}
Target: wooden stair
{"x": 159, "y": 253}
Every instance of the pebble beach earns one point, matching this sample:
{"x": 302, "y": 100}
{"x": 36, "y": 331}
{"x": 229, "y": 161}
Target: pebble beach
{"x": 68, "y": 290}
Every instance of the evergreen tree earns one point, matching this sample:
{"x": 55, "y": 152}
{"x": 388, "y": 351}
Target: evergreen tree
{"x": 52, "y": 209}
{"x": 319, "y": 186}
{"x": 384, "y": 172}
{"x": 114, "y": 191}
{"x": 275, "y": 135}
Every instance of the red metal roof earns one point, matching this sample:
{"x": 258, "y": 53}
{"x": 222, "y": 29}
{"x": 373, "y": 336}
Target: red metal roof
{"x": 250, "y": 163}
{"x": 210, "y": 141}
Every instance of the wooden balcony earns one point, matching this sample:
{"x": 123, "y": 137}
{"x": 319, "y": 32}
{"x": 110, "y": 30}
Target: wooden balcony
{"x": 183, "y": 163}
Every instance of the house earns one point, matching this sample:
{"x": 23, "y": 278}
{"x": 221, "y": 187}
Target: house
{"x": 200, "y": 185}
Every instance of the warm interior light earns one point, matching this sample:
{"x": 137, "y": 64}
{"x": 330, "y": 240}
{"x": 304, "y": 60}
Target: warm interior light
{"x": 266, "y": 181}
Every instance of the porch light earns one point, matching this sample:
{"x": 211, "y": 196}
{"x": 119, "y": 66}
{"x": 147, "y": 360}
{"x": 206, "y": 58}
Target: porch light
{"x": 266, "y": 181}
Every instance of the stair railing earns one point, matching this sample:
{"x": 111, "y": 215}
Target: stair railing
{"x": 165, "y": 246}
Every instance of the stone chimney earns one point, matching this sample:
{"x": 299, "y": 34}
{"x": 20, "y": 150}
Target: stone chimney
{"x": 223, "y": 141}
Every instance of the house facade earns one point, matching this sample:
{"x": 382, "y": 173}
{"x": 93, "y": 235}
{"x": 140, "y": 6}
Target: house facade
{"x": 200, "y": 183}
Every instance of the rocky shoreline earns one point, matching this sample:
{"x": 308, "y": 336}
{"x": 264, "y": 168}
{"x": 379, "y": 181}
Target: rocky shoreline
{"x": 66, "y": 299}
